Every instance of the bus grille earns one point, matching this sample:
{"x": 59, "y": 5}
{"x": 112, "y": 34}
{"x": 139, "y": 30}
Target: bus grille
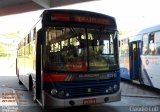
{"x": 86, "y": 88}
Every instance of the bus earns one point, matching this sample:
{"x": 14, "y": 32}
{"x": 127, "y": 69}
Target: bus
{"x": 140, "y": 57}
{"x": 70, "y": 58}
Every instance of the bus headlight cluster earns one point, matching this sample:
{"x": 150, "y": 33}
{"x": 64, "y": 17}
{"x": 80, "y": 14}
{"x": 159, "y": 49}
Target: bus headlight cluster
{"x": 60, "y": 93}
{"x": 115, "y": 86}
{"x": 112, "y": 88}
{"x": 109, "y": 89}
{"x": 63, "y": 94}
{"x": 54, "y": 92}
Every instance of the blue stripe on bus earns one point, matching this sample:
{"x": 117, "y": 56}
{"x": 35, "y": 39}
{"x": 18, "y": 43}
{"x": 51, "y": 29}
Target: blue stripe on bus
{"x": 124, "y": 73}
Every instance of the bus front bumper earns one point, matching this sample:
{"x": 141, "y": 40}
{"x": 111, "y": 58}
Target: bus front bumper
{"x": 52, "y": 102}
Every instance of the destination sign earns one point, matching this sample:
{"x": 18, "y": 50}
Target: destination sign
{"x": 63, "y": 17}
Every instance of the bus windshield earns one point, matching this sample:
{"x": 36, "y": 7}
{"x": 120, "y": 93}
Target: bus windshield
{"x": 80, "y": 49}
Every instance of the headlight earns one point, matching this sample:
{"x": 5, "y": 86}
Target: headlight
{"x": 107, "y": 91}
{"x": 61, "y": 93}
{"x": 53, "y": 92}
{"x": 115, "y": 86}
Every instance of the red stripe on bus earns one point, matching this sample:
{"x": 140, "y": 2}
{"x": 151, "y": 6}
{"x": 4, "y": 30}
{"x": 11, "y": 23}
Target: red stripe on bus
{"x": 51, "y": 77}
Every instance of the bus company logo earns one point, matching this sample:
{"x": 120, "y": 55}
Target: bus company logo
{"x": 147, "y": 62}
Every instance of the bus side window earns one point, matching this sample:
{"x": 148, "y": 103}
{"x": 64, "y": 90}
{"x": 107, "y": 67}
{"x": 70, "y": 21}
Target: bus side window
{"x": 34, "y": 33}
{"x": 145, "y": 44}
{"x": 151, "y": 44}
{"x": 158, "y": 50}
{"x": 157, "y": 42}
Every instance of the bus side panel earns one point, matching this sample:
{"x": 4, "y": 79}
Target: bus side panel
{"x": 151, "y": 71}
{"x": 20, "y": 67}
{"x": 124, "y": 67}
{"x": 32, "y": 63}
{"x": 29, "y": 61}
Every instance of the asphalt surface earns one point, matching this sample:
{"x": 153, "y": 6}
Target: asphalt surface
{"x": 15, "y": 98}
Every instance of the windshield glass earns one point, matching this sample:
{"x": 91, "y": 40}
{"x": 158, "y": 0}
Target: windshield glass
{"x": 79, "y": 49}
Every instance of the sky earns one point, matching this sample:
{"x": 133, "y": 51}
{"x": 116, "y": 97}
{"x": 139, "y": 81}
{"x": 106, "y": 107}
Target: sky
{"x": 131, "y": 15}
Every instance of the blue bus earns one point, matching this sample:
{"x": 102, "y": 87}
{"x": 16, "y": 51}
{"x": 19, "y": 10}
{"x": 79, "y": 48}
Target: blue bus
{"x": 140, "y": 57}
{"x": 70, "y": 58}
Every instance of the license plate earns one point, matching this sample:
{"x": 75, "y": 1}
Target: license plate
{"x": 89, "y": 101}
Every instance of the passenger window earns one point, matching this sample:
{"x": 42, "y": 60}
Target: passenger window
{"x": 29, "y": 38}
{"x": 157, "y": 43}
{"x": 151, "y": 44}
{"x": 145, "y": 44}
{"x": 34, "y": 33}
{"x": 124, "y": 48}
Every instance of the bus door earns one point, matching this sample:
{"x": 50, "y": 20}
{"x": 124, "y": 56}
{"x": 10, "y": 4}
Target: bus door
{"x": 38, "y": 85}
{"x": 135, "y": 63}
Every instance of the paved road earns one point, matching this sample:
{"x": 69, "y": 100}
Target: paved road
{"x": 20, "y": 100}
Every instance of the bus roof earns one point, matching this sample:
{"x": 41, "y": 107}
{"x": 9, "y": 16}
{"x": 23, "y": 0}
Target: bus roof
{"x": 84, "y": 12}
{"x": 150, "y": 29}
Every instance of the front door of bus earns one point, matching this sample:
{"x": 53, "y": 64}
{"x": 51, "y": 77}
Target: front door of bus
{"x": 135, "y": 62}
